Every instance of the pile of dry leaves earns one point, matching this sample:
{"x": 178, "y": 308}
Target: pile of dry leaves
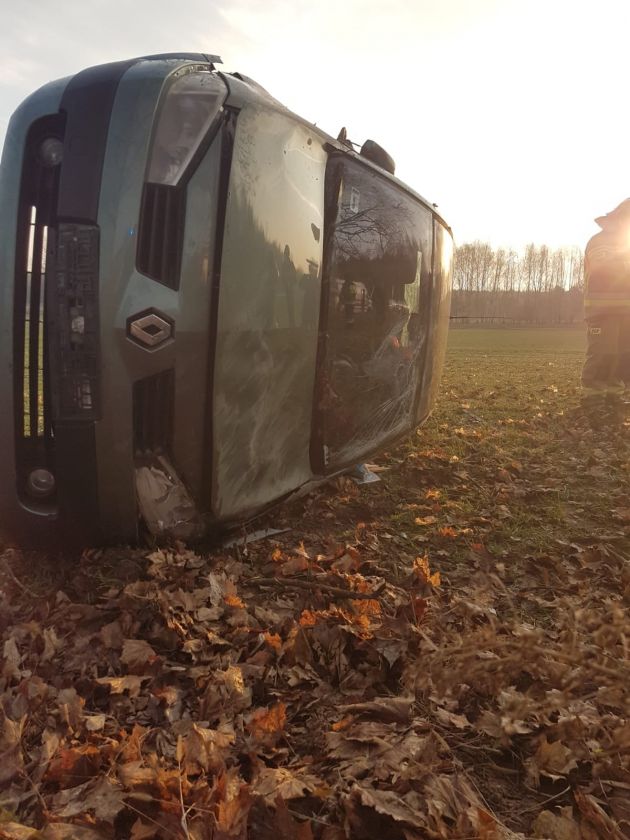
{"x": 297, "y": 691}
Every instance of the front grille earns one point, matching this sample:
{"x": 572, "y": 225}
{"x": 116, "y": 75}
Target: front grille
{"x": 153, "y": 414}
{"x": 74, "y": 319}
{"x": 32, "y": 387}
{"x": 161, "y": 233}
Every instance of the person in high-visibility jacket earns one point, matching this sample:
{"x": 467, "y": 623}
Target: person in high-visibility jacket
{"x": 606, "y": 373}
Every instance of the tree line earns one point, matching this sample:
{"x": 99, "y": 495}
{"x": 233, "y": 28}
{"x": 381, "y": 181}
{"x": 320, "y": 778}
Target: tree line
{"x": 538, "y": 285}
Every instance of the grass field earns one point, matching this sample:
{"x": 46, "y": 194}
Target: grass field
{"x": 524, "y": 511}
{"x": 506, "y": 411}
{"x": 474, "y": 684}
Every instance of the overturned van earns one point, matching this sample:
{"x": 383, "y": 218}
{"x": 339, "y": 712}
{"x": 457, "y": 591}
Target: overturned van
{"x": 206, "y": 303}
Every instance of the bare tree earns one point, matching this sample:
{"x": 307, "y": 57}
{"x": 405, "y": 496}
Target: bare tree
{"x": 540, "y": 285}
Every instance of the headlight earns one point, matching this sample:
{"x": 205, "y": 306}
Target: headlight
{"x": 51, "y": 152}
{"x": 189, "y": 108}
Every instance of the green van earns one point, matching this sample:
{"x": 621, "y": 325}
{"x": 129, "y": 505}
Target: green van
{"x": 207, "y": 304}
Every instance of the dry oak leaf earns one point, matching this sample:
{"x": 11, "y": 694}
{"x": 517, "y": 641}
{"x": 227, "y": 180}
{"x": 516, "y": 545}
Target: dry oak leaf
{"x": 50, "y": 744}
{"x": 112, "y": 635}
{"x": 554, "y": 760}
{"x": 294, "y": 566}
{"x": 387, "y": 709}
{"x": 206, "y": 749}
{"x": 309, "y": 618}
{"x": 364, "y": 739}
{"x": 135, "y": 773}
{"x": 263, "y": 722}
{"x": 71, "y": 707}
{"x": 131, "y": 744}
{"x": 421, "y": 568}
{"x": 11, "y": 757}
{"x": 348, "y": 562}
{"x": 137, "y": 655}
{"x": 119, "y": 685}
{"x": 366, "y": 608}
{"x": 619, "y": 805}
{"x": 234, "y": 802}
{"x": 103, "y": 796}
{"x": 234, "y": 601}
{"x": 272, "y": 639}
{"x": 17, "y": 831}
{"x": 451, "y": 719}
{"x": 12, "y": 659}
{"x": 233, "y": 679}
{"x": 560, "y": 826}
{"x": 342, "y": 724}
{"x": 451, "y": 797}
{"x": 447, "y": 533}
{"x": 74, "y": 765}
{"x": 272, "y": 782}
{"x": 605, "y": 827}
{"x": 287, "y": 827}
{"x": 95, "y": 723}
{"x": 142, "y": 831}
{"x": 384, "y": 802}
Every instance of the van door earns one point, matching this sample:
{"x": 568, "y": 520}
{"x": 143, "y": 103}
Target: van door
{"x": 268, "y": 313}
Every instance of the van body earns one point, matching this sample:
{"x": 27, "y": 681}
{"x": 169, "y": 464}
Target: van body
{"x": 206, "y": 304}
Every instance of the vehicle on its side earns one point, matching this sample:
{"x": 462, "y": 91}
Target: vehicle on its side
{"x": 207, "y": 304}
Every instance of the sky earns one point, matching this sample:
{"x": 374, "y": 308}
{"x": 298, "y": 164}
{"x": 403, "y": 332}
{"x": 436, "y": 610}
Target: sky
{"x": 511, "y": 115}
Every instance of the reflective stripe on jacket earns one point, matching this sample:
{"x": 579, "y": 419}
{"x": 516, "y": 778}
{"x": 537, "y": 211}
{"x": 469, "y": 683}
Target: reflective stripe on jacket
{"x": 607, "y": 274}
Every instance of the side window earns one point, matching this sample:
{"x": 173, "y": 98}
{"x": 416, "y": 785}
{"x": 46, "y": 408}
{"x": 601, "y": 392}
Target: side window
{"x": 378, "y": 261}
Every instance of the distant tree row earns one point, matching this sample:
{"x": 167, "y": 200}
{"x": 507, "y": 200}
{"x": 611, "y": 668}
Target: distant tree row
{"x": 540, "y": 285}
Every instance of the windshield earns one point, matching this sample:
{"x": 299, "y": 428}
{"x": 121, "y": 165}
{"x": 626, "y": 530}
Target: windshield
{"x": 379, "y": 255}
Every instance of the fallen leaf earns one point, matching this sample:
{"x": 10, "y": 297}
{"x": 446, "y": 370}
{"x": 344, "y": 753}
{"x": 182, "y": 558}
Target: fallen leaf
{"x": 553, "y": 759}
{"x": 120, "y": 685}
{"x": 272, "y": 782}
{"x": 137, "y": 655}
{"x": 270, "y": 721}
{"x": 557, "y": 826}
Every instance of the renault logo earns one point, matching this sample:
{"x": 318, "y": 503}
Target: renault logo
{"x": 150, "y": 329}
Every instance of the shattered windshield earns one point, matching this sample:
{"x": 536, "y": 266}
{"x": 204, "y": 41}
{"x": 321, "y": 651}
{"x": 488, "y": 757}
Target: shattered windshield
{"x": 379, "y": 254}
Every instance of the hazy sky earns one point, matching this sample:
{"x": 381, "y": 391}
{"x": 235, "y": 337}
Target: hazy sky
{"x": 511, "y": 115}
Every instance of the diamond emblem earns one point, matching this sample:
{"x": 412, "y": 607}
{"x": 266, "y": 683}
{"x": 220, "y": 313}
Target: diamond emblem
{"x": 150, "y": 329}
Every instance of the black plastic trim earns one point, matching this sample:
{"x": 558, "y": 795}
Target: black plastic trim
{"x": 161, "y": 229}
{"x": 38, "y": 190}
{"x": 162, "y": 219}
{"x": 87, "y": 102}
{"x": 153, "y": 414}
{"x": 227, "y": 149}
{"x": 73, "y": 289}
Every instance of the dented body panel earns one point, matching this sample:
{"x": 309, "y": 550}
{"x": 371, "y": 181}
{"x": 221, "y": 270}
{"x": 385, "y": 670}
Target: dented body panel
{"x": 208, "y": 307}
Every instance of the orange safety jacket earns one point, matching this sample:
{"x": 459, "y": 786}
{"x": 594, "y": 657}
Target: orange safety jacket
{"x": 607, "y": 274}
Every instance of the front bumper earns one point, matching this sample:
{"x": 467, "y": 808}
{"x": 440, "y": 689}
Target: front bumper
{"x": 59, "y": 242}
